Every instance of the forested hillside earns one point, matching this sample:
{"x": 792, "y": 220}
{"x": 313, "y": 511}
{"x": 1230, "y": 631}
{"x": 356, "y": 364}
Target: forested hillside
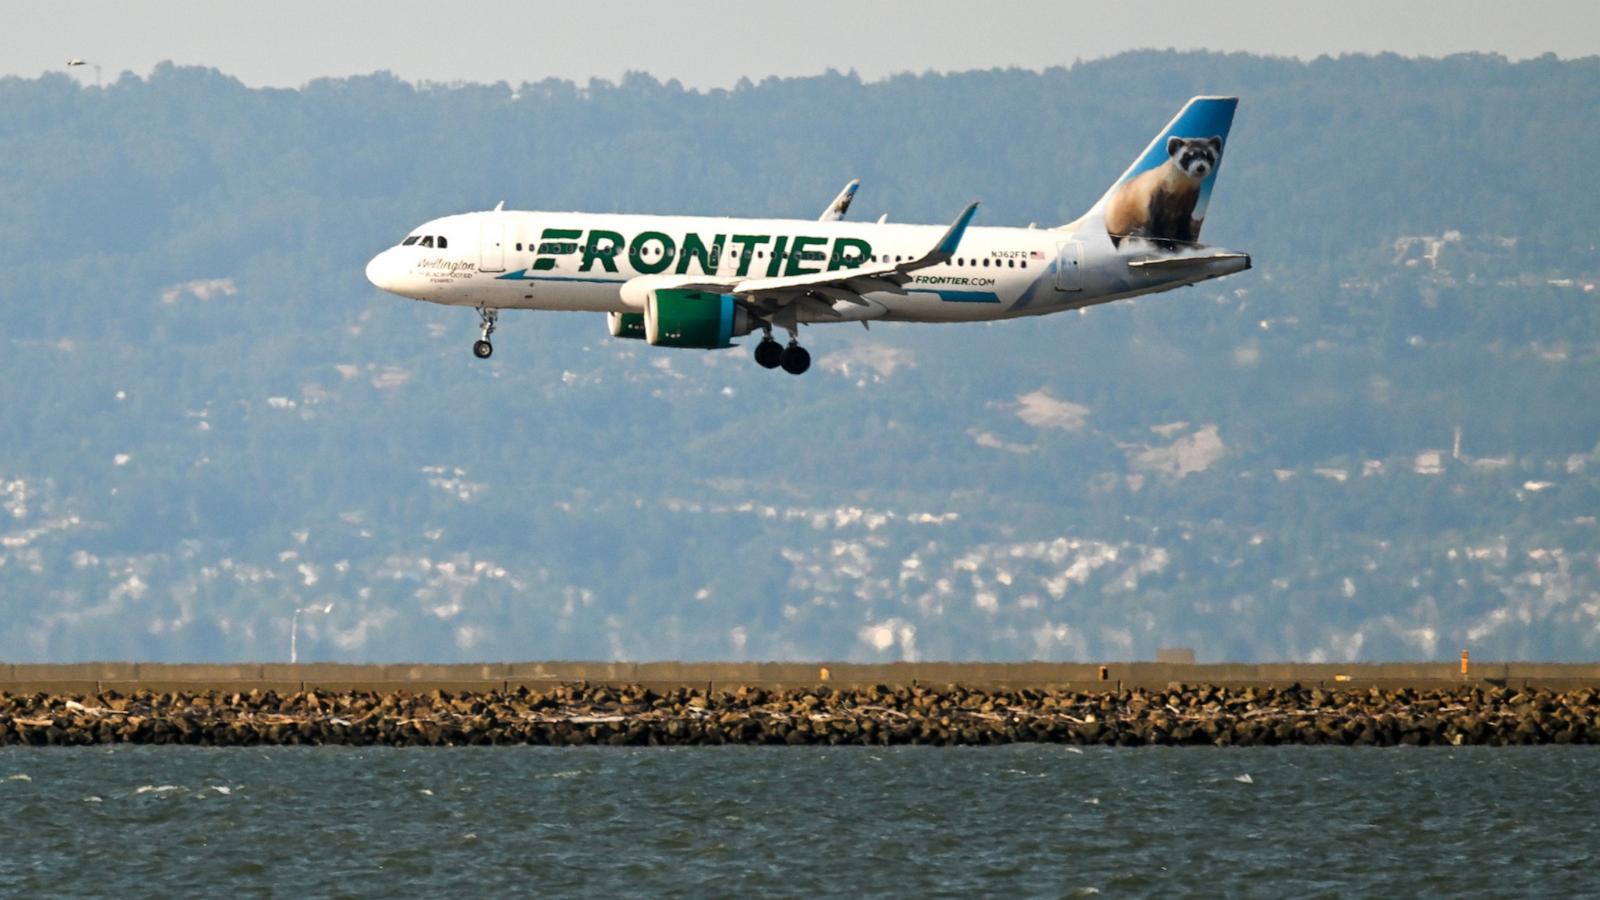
{"x": 1382, "y": 442}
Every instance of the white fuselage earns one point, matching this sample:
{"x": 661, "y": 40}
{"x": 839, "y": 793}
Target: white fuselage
{"x": 506, "y": 259}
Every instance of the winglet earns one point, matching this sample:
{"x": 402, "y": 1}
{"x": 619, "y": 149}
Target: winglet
{"x": 946, "y": 248}
{"x": 841, "y": 203}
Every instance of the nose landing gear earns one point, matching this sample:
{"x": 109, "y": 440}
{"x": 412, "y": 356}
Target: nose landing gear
{"x": 481, "y": 348}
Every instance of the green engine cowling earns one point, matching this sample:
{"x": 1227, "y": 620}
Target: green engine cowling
{"x": 626, "y": 325}
{"x": 697, "y": 319}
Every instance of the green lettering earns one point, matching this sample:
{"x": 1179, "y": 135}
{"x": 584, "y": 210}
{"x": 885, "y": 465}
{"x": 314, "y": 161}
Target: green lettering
{"x": 607, "y": 255}
{"x": 636, "y": 256}
{"x": 800, "y": 255}
{"x": 839, "y": 259}
{"x": 695, "y": 248}
{"x": 555, "y": 242}
{"x": 777, "y": 255}
{"x": 747, "y": 249}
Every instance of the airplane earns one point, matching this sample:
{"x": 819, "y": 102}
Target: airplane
{"x": 701, "y": 282}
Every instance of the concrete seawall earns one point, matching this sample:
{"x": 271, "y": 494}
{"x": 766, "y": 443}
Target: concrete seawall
{"x": 126, "y": 677}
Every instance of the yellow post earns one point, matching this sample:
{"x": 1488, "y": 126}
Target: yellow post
{"x": 1105, "y": 672}
{"x": 1464, "y": 664}
{"x": 823, "y": 675}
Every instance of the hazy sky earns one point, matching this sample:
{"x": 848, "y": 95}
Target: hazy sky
{"x": 287, "y": 42}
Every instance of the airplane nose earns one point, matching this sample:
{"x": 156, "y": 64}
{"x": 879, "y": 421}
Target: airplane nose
{"x": 380, "y": 272}
{"x": 386, "y": 273}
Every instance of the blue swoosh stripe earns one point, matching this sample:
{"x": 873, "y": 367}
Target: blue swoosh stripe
{"x": 961, "y": 296}
{"x": 522, "y": 275}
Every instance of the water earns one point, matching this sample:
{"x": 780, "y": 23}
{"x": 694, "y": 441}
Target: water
{"x": 1034, "y": 820}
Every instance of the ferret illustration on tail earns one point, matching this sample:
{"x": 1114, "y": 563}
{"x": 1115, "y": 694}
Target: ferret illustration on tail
{"x": 1159, "y": 204}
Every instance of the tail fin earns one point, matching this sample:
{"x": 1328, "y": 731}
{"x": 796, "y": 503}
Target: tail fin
{"x": 1162, "y": 197}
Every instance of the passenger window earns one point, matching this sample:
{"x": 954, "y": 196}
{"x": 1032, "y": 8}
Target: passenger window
{"x": 442, "y": 242}
{"x": 409, "y": 241}
{"x": 519, "y": 246}
{"x": 986, "y": 264}
{"x": 427, "y": 241}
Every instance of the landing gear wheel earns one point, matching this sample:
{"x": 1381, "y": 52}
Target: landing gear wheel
{"x": 794, "y": 359}
{"x": 487, "y": 318}
{"x": 768, "y": 354}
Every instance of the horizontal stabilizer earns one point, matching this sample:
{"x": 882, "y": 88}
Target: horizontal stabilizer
{"x": 1180, "y": 262}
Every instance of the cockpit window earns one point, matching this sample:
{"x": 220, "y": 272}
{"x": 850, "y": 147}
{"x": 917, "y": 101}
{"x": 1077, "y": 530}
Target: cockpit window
{"x": 442, "y": 242}
{"x": 410, "y": 240}
{"x": 427, "y": 241}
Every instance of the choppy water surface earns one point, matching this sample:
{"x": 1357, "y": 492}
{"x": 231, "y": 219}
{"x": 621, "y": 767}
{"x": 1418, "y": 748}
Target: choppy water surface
{"x": 138, "y": 821}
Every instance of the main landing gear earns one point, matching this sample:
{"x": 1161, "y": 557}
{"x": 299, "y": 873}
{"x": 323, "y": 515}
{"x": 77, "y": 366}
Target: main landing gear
{"x": 481, "y": 348}
{"x": 770, "y": 354}
{"x": 794, "y": 359}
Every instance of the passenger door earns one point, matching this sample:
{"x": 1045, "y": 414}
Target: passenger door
{"x": 492, "y": 247}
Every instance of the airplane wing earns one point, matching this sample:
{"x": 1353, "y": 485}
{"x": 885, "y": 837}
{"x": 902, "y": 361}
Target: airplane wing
{"x": 767, "y": 296}
{"x": 841, "y": 203}
{"x": 775, "y": 298}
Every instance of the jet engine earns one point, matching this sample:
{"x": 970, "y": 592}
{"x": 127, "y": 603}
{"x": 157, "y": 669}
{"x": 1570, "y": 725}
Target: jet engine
{"x": 626, "y": 325}
{"x": 697, "y": 319}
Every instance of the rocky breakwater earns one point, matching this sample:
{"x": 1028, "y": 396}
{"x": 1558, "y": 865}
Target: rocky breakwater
{"x": 635, "y": 715}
